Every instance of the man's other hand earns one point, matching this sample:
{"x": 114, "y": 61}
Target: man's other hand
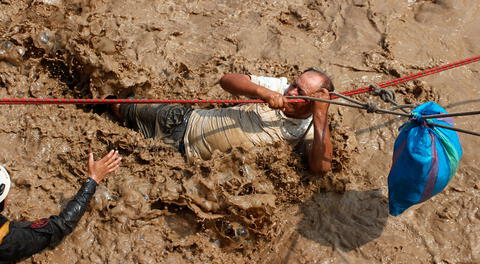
{"x": 321, "y": 94}
{"x": 98, "y": 170}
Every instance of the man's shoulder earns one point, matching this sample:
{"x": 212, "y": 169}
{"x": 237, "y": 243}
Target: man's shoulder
{"x": 276, "y": 84}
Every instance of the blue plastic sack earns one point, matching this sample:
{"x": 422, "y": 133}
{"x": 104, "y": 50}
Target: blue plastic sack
{"x": 425, "y": 159}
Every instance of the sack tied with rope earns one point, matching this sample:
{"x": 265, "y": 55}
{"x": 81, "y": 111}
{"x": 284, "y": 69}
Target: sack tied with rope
{"x": 425, "y": 159}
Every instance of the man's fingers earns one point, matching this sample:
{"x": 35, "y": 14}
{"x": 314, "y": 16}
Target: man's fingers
{"x": 113, "y": 169}
{"x": 277, "y": 101}
{"x": 112, "y": 157}
{"x": 107, "y": 156}
{"x": 271, "y": 104}
{"x": 323, "y": 93}
{"x": 280, "y": 102}
{"x": 114, "y": 163}
{"x": 90, "y": 160}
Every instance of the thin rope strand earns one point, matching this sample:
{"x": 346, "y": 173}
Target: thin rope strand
{"x": 451, "y": 114}
{"x": 456, "y": 129}
{"x": 414, "y": 76}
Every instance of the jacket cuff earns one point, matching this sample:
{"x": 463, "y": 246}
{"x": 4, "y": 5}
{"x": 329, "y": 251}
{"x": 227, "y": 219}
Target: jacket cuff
{"x": 89, "y": 186}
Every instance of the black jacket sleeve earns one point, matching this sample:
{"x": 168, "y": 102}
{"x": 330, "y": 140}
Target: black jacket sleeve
{"x": 27, "y": 238}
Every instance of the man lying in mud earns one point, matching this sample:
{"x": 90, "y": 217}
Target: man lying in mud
{"x": 198, "y": 133}
{"x": 20, "y": 240}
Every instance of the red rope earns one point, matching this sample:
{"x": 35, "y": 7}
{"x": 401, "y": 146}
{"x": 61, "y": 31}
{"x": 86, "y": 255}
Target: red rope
{"x": 17, "y": 101}
{"x": 413, "y": 76}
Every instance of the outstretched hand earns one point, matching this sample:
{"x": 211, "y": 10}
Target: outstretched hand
{"x": 98, "y": 170}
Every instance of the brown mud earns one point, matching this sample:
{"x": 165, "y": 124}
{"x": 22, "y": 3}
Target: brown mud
{"x": 247, "y": 206}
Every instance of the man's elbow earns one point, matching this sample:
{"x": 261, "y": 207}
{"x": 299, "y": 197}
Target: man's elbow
{"x": 226, "y": 78}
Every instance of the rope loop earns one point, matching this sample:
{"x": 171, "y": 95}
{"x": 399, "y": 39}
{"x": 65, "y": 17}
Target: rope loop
{"x": 387, "y": 95}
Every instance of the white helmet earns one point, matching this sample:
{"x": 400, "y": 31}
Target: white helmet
{"x": 4, "y": 183}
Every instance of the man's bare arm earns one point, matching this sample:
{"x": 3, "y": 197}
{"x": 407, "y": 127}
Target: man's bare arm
{"x": 240, "y": 84}
{"x": 321, "y": 152}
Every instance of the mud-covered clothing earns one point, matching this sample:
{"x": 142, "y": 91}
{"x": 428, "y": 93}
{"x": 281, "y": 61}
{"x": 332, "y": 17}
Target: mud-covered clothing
{"x": 244, "y": 125}
{"x": 20, "y": 240}
{"x": 198, "y": 133}
{"x": 163, "y": 121}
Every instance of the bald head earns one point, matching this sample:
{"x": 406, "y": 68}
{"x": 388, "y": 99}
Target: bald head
{"x": 313, "y": 80}
{"x": 322, "y": 79}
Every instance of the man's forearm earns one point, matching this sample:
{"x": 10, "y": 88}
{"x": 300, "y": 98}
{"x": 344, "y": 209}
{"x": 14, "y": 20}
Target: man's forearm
{"x": 320, "y": 155}
{"x": 70, "y": 216}
{"x": 240, "y": 84}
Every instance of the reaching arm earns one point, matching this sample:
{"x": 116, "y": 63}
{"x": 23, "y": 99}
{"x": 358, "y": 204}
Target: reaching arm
{"x": 26, "y": 238}
{"x": 240, "y": 84}
{"x": 320, "y": 153}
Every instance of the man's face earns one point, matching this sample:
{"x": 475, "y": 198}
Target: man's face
{"x": 305, "y": 85}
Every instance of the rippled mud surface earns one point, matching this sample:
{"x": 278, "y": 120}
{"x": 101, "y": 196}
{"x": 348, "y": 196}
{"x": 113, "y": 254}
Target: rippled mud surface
{"x": 247, "y": 206}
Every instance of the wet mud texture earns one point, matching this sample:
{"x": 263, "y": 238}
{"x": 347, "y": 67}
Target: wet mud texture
{"x": 247, "y": 206}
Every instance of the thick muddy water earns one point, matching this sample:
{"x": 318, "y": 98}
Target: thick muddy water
{"x": 246, "y": 206}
